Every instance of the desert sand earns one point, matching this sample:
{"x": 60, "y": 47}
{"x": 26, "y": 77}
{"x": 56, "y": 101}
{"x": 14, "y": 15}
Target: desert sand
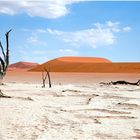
{"x": 22, "y": 66}
{"x": 88, "y": 65}
{"x": 77, "y": 107}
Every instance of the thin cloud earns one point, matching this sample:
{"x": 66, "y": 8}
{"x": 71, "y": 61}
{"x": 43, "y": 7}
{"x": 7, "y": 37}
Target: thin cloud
{"x": 92, "y": 37}
{"x": 67, "y": 52}
{"x": 42, "y": 55}
{"x": 100, "y": 35}
{"x": 32, "y": 55}
{"x": 46, "y": 9}
{"x": 35, "y": 40}
{"x": 127, "y": 29}
{"x": 114, "y": 26}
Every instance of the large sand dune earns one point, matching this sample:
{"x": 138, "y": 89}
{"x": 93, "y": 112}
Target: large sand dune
{"x": 84, "y": 59}
{"x": 87, "y": 64}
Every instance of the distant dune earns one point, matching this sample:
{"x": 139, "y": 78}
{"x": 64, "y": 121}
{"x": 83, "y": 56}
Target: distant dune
{"x": 22, "y": 66}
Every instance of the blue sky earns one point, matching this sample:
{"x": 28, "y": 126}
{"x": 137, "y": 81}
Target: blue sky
{"x": 43, "y": 30}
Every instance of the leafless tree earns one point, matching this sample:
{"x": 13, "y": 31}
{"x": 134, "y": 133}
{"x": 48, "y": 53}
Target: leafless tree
{"x": 46, "y": 74}
{"x": 4, "y": 60}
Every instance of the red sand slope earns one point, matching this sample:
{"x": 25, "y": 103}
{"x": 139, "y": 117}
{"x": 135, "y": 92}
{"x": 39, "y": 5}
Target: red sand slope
{"x": 22, "y": 66}
{"x": 87, "y": 64}
{"x": 82, "y": 60}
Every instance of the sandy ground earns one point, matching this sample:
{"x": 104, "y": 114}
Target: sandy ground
{"x": 77, "y": 107}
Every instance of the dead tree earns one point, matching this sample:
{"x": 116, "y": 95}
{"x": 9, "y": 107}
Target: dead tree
{"x": 122, "y": 83}
{"x": 46, "y": 74}
{"x": 4, "y": 60}
{"x": 44, "y": 77}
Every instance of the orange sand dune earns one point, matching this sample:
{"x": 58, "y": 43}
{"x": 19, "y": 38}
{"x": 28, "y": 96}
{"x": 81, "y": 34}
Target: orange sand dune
{"x": 87, "y": 64}
{"x": 70, "y": 64}
{"x": 83, "y": 59}
{"x": 22, "y": 66}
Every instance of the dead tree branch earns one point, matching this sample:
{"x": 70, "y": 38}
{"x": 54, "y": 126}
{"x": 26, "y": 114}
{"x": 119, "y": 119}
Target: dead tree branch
{"x": 7, "y": 49}
{"x": 122, "y": 83}
{"x": 2, "y": 50}
{"x": 49, "y": 78}
{"x": 4, "y": 60}
{"x": 44, "y": 77}
{"x": 3, "y": 95}
{"x": 46, "y": 74}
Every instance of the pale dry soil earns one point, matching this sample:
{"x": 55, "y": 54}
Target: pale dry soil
{"x": 70, "y": 112}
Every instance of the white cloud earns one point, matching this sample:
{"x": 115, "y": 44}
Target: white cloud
{"x": 92, "y": 37}
{"x": 127, "y": 29}
{"x": 114, "y": 26}
{"x": 67, "y": 52}
{"x": 40, "y": 56}
{"x": 32, "y": 40}
{"x": 36, "y": 38}
{"x": 43, "y": 8}
{"x": 36, "y": 41}
{"x": 39, "y": 52}
{"x": 35, "y": 55}
{"x": 41, "y": 31}
{"x": 35, "y": 58}
{"x": 100, "y": 35}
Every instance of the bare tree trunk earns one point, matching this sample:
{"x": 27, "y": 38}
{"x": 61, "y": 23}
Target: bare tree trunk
{"x": 4, "y": 60}
{"x": 43, "y": 84}
{"x": 44, "y": 77}
{"x": 49, "y": 78}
